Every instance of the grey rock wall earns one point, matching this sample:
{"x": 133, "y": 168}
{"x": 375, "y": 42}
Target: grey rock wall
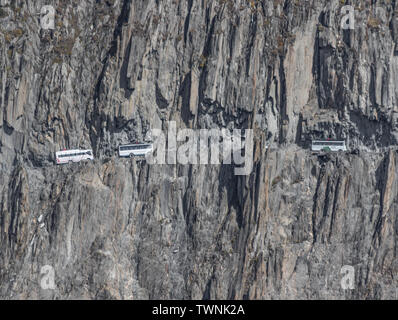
{"x": 122, "y": 229}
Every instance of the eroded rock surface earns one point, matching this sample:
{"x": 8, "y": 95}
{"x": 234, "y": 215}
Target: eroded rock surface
{"x": 123, "y": 229}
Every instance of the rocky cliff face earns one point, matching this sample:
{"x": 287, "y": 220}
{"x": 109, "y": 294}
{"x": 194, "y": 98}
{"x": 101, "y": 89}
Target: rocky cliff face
{"x": 116, "y": 228}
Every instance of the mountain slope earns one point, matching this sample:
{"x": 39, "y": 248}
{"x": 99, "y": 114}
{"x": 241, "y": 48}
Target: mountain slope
{"x": 110, "y": 71}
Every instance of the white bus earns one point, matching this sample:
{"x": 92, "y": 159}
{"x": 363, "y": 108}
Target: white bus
{"x": 66, "y": 156}
{"x": 328, "y": 145}
{"x": 138, "y": 149}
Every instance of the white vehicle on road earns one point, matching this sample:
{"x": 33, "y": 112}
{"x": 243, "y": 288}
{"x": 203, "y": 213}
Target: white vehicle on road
{"x": 328, "y": 145}
{"x": 67, "y": 156}
{"x": 138, "y": 149}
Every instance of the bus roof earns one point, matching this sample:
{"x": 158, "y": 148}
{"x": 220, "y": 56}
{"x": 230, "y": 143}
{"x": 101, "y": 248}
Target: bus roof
{"x": 328, "y": 140}
{"x": 135, "y": 144}
{"x": 72, "y": 151}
